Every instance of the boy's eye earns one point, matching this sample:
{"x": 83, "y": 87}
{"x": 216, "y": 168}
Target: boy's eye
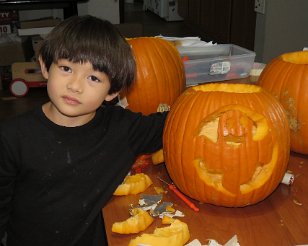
{"x": 94, "y": 78}
{"x": 65, "y": 69}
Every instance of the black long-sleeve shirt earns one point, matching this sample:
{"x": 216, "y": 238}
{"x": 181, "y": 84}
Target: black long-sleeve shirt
{"x": 54, "y": 180}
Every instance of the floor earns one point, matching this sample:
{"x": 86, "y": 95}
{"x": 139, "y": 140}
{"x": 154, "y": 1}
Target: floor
{"x": 152, "y": 25}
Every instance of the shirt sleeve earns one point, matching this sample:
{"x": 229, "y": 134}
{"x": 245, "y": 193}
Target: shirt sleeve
{"x": 146, "y": 133}
{"x": 7, "y": 180}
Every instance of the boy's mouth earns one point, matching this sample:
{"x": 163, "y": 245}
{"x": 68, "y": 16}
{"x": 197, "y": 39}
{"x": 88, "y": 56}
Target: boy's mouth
{"x": 71, "y": 100}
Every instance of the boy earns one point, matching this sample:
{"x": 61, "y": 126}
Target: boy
{"x": 61, "y": 162}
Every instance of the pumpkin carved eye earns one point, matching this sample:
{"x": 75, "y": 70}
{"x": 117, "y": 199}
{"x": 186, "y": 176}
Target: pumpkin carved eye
{"x": 235, "y": 122}
{"x": 226, "y": 144}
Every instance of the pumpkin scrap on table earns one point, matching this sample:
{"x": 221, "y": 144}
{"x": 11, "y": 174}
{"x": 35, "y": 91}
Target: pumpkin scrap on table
{"x": 158, "y": 157}
{"x": 177, "y": 234}
{"x": 139, "y": 221}
{"x": 133, "y": 184}
{"x": 226, "y": 144}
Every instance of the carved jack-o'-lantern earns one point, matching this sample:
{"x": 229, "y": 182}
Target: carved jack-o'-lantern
{"x": 226, "y": 144}
{"x": 286, "y": 77}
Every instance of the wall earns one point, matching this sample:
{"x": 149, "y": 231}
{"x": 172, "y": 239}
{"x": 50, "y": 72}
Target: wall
{"x": 283, "y": 28}
{"x": 107, "y": 9}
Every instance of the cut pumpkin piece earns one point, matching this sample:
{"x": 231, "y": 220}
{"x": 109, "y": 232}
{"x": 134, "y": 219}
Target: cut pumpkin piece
{"x": 167, "y": 220}
{"x": 139, "y": 221}
{"x": 177, "y": 234}
{"x": 133, "y": 184}
{"x": 158, "y": 157}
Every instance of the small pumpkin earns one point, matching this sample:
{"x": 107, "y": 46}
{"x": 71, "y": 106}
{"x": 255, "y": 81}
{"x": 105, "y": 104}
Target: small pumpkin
{"x": 286, "y": 77}
{"x": 139, "y": 221}
{"x": 226, "y": 144}
{"x": 177, "y": 234}
{"x": 133, "y": 184}
{"x": 160, "y": 76}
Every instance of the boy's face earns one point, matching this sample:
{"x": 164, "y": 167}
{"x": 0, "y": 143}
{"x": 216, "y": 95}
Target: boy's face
{"x": 75, "y": 91}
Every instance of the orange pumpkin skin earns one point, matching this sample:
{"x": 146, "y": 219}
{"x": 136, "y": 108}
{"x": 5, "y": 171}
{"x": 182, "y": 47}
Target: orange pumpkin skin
{"x": 160, "y": 75}
{"x": 226, "y": 144}
{"x": 286, "y": 77}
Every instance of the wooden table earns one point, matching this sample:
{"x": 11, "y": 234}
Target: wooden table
{"x": 281, "y": 219}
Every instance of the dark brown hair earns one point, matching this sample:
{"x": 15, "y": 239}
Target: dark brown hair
{"x": 90, "y": 39}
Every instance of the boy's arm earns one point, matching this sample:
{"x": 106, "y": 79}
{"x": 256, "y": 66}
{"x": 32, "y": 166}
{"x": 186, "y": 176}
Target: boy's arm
{"x": 147, "y": 134}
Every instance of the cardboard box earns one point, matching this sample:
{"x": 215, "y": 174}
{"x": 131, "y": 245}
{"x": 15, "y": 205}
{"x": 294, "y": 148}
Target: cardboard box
{"x": 37, "y": 27}
{"x": 45, "y": 22}
{"x": 14, "y": 50}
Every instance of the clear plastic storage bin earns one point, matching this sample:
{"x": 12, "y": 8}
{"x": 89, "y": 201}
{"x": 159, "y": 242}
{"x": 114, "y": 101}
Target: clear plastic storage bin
{"x": 216, "y": 63}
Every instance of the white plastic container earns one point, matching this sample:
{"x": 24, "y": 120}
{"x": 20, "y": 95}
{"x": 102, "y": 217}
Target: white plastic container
{"x": 216, "y": 63}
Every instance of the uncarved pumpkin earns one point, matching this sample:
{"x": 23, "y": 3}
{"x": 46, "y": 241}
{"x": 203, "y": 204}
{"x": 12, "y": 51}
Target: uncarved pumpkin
{"x": 286, "y": 77}
{"x": 226, "y": 144}
{"x": 160, "y": 77}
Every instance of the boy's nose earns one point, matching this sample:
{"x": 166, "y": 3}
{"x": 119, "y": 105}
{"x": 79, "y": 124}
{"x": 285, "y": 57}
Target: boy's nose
{"x": 74, "y": 85}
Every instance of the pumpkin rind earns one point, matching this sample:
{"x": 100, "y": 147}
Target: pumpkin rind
{"x": 177, "y": 234}
{"x": 286, "y": 77}
{"x": 157, "y": 157}
{"x": 133, "y": 184}
{"x": 226, "y": 144}
{"x": 160, "y": 76}
{"x": 139, "y": 221}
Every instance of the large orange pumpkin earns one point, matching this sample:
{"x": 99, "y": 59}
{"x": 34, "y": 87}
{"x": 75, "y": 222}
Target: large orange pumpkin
{"x": 286, "y": 77}
{"x": 226, "y": 144}
{"x": 160, "y": 75}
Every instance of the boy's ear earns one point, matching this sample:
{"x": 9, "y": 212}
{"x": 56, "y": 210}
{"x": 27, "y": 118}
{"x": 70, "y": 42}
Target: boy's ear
{"x": 43, "y": 68}
{"x": 111, "y": 96}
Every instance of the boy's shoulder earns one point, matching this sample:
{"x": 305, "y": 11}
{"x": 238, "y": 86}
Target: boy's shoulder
{"x": 118, "y": 111}
{"x": 20, "y": 120}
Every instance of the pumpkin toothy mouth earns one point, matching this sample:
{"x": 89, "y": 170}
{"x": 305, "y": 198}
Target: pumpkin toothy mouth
{"x": 219, "y": 179}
